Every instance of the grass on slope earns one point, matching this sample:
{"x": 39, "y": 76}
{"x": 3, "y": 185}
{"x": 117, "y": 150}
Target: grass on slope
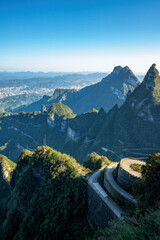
{"x": 60, "y": 110}
{"x": 6, "y": 167}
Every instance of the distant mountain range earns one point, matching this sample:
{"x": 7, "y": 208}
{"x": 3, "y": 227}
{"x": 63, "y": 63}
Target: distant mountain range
{"x": 28, "y": 74}
{"x": 47, "y": 80}
{"x": 5, "y": 76}
{"x": 113, "y": 89}
{"x": 130, "y": 130}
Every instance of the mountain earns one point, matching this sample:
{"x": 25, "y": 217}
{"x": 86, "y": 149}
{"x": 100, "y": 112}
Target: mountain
{"x": 48, "y": 198}
{"x": 130, "y": 130}
{"x": 27, "y": 75}
{"x": 134, "y": 128}
{"x": 58, "y": 96}
{"x": 15, "y": 93}
{"x": 44, "y": 195}
{"x": 53, "y": 127}
{"x": 8, "y": 104}
{"x": 111, "y": 90}
{"x": 146, "y": 98}
{"x": 6, "y": 169}
{"x": 7, "y": 76}
{"x": 60, "y": 110}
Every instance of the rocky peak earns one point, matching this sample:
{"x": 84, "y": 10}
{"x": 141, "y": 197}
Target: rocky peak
{"x": 121, "y": 75}
{"x": 145, "y": 99}
{"x": 151, "y": 77}
{"x": 126, "y": 68}
{"x": 117, "y": 69}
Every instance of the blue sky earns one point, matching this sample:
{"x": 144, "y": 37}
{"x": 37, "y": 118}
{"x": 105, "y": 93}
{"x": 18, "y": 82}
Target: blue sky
{"x": 86, "y": 35}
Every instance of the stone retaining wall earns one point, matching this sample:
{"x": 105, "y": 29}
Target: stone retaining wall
{"x": 101, "y": 208}
{"x": 114, "y": 188}
{"x": 126, "y": 175}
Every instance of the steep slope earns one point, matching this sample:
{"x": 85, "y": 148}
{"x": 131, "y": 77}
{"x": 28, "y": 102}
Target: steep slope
{"x": 131, "y": 130}
{"x": 69, "y": 82}
{"x": 58, "y": 128}
{"x": 145, "y": 101}
{"x": 6, "y": 169}
{"x": 7, "y": 104}
{"x": 146, "y": 224}
{"x": 58, "y": 96}
{"x": 60, "y": 110}
{"x": 48, "y": 199}
{"x": 135, "y": 130}
{"x": 111, "y": 90}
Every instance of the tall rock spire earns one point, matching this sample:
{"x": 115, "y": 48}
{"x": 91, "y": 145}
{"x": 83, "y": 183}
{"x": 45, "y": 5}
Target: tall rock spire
{"x": 151, "y": 77}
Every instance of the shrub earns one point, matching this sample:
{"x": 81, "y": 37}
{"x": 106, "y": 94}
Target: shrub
{"x": 95, "y": 161}
{"x": 147, "y": 189}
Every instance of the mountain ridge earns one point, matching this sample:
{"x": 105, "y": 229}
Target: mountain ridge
{"x": 110, "y": 90}
{"x": 123, "y": 131}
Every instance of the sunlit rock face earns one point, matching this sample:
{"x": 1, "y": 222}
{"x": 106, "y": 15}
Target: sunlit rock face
{"x": 73, "y": 134}
{"x": 51, "y": 122}
{"x": 146, "y": 100}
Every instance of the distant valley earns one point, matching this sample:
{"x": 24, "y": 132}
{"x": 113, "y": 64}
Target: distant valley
{"x": 23, "y": 91}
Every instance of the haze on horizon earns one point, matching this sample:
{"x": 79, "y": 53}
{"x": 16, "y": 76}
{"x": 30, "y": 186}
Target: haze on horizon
{"x": 75, "y": 36}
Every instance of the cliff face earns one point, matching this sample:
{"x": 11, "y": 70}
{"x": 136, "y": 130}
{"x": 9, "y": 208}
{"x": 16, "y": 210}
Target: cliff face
{"x": 146, "y": 98}
{"x": 136, "y": 129}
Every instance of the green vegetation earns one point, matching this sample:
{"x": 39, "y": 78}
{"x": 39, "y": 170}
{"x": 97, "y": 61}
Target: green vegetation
{"x": 6, "y": 168}
{"x": 144, "y": 228}
{"x": 45, "y": 197}
{"x": 93, "y": 110}
{"x": 49, "y": 198}
{"x": 144, "y": 224}
{"x": 147, "y": 190}
{"x": 102, "y": 94}
{"x": 120, "y": 131}
{"x": 137, "y": 167}
{"x": 83, "y": 122}
{"x": 156, "y": 89}
{"x": 95, "y": 161}
{"x": 3, "y": 114}
{"x": 3, "y": 147}
{"x": 60, "y": 110}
